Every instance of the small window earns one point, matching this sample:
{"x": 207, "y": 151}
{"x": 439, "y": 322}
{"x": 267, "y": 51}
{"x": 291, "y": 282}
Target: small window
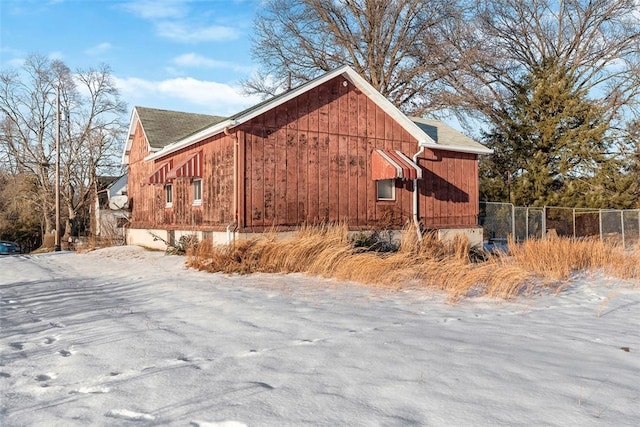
{"x": 197, "y": 192}
{"x": 168, "y": 191}
{"x": 386, "y": 189}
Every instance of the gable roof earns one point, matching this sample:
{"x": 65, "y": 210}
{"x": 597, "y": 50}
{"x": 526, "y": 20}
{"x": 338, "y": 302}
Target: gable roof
{"x": 103, "y": 182}
{"x": 117, "y": 186}
{"x": 419, "y": 133}
{"x": 163, "y": 127}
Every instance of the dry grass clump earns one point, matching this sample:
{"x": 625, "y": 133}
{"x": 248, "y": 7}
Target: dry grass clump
{"x": 557, "y": 258}
{"x": 309, "y": 248}
{"x": 451, "y": 266}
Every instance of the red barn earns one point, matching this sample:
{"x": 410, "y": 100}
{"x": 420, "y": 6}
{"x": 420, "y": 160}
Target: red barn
{"x": 333, "y": 149}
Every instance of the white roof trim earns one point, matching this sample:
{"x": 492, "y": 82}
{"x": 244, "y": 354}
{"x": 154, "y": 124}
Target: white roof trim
{"x": 460, "y": 149}
{"x": 423, "y": 139}
{"x": 132, "y": 130}
{"x": 192, "y": 139}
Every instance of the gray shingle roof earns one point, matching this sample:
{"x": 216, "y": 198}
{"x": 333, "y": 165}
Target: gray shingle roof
{"x": 162, "y": 127}
{"x": 444, "y": 134}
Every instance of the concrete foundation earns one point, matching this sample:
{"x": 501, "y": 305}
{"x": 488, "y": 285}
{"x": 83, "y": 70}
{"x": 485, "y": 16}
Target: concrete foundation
{"x": 160, "y": 239}
{"x": 474, "y": 235}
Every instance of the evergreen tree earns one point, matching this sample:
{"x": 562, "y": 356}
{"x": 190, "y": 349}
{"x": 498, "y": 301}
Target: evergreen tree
{"x": 550, "y": 137}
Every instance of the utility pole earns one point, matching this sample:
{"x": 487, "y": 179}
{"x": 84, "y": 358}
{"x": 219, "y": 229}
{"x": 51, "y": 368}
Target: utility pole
{"x": 57, "y": 247}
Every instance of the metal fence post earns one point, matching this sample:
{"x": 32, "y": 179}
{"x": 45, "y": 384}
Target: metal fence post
{"x": 544, "y": 222}
{"x": 622, "y": 228}
{"x": 513, "y": 222}
{"x": 600, "y": 221}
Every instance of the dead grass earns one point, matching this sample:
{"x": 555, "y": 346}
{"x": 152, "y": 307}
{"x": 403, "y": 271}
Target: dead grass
{"x": 557, "y": 258}
{"x": 327, "y": 251}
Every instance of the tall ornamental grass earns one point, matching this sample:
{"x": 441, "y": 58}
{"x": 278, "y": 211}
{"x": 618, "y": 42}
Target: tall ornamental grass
{"x": 452, "y": 267}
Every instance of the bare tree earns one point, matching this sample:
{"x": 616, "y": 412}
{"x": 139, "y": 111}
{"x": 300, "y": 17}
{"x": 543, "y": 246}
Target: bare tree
{"x": 556, "y": 82}
{"x": 28, "y": 108}
{"x": 500, "y": 42}
{"x": 91, "y": 129}
{"x": 393, "y": 44}
{"x": 20, "y": 214}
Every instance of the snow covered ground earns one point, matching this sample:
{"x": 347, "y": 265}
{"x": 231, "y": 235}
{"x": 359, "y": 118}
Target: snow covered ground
{"x": 124, "y": 336}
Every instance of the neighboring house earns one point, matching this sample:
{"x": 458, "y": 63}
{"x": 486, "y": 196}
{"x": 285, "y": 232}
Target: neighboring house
{"x": 333, "y": 149}
{"x": 112, "y": 213}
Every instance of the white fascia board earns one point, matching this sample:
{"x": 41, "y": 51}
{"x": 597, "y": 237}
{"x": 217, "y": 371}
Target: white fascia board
{"x": 295, "y": 93}
{"x": 390, "y": 109}
{"x": 132, "y": 129}
{"x": 414, "y": 130}
{"x": 357, "y": 80}
{"x": 192, "y": 139}
{"x": 218, "y": 128}
{"x": 460, "y": 149}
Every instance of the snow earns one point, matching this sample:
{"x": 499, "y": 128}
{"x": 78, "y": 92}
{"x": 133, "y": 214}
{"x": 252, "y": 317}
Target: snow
{"x": 124, "y": 336}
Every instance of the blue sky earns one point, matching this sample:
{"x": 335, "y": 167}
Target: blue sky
{"x": 186, "y": 55}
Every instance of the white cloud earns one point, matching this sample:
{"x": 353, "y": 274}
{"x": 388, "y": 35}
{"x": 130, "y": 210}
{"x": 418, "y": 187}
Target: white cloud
{"x": 190, "y": 33}
{"x": 199, "y": 61}
{"x": 55, "y": 55}
{"x": 13, "y": 63}
{"x": 195, "y": 60}
{"x": 98, "y": 49}
{"x": 172, "y": 21}
{"x": 157, "y": 9}
{"x": 186, "y": 94}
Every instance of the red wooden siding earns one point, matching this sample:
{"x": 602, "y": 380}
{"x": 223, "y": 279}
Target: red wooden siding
{"x": 448, "y": 192}
{"x": 212, "y": 159}
{"x": 308, "y": 160}
{"x": 142, "y": 197}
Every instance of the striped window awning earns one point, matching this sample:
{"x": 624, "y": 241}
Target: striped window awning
{"x": 159, "y": 175}
{"x": 189, "y": 168}
{"x": 393, "y": 164}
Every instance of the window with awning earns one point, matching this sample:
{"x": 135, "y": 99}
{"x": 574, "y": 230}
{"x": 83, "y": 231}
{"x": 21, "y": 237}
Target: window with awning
{"x": 393, "y": 164}
{"x": 159, "y": 175}
{"x": 189, "y": 168}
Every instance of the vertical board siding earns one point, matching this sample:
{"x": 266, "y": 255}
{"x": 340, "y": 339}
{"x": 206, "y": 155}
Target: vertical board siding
{"x": 307, "y": 161}
{"x": 142, "y": 198}
{"x": 310, "y": 162}
{"x": 449, "y": 191}
{"x": 149, "y": 210}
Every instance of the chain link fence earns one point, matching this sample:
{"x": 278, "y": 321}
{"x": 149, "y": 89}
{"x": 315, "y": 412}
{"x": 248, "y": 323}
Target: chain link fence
{"x": 500, "y": 221}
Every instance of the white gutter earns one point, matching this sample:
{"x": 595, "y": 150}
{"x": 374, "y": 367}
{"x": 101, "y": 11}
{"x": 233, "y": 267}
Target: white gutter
{"x": 234, "y": 137}
{"x": 231, "y": 228}
{"x": 455, "y": 148}
{"x": 416, "y": 219}
{"x": 196, "y": 137}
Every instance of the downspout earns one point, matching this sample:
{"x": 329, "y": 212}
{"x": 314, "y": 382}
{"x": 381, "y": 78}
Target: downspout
{"x": 416, "y": 219}
{"x": 234, "y": 224}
